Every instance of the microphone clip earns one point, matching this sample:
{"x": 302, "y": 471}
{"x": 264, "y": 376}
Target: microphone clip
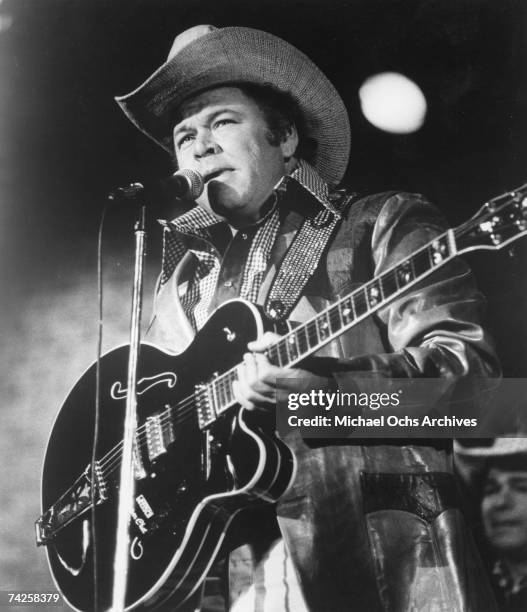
{"x": 131, "y": 192}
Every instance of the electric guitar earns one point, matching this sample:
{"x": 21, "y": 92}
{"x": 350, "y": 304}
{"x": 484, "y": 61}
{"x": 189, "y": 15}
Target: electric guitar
{"x": 199, "y": 459}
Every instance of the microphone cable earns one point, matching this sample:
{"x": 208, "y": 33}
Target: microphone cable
{"x": 93, "y": 465}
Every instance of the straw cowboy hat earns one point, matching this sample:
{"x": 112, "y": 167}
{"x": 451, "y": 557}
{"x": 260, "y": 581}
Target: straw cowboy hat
{"x": 204, "y": 57}
{"x": 473, "y": 461}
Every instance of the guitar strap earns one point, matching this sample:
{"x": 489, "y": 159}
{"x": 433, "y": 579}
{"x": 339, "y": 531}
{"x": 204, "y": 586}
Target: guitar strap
{"x": 303, "y": 256}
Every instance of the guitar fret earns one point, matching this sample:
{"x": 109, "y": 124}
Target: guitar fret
{"x": 215, "y": 395}
{"x": 229, "y": 394}
{"x": 226, "y": 390}
{"x": 404, "y": 274}
{"x": 222, "y": 392}
{"x": 421, "y": 263}
{"x": 360, "y": 302}
{"x": 323, "y": 326}
{"x": 281, "y": 354}
{"x": 438, "y": 250}
{"x": 374, "y": 293}
{"x": 347, "y": 311}
{"x": 335, "y": 323}
{"x": 389, "y": 285}
{"x": 412, "y": 267}
{"x": 272, "y": 355}
{"x": 223, "y": 389}
{"x": 292, "y": 346}
{"x": 302, "y": 339}
{"x": 312, "y": 336}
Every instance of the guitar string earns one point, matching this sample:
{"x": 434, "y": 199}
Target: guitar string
{"x": 186, "y": 408}
{"x": 187, "y": 403}
{"x": 183, "y": 410}
{"x": 108, "y": 462}
{"x": 180, "y": 413}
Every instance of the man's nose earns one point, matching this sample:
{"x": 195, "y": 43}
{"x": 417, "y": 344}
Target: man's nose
{"x": 204, "y": 144}
{"x": 504, "y": 498}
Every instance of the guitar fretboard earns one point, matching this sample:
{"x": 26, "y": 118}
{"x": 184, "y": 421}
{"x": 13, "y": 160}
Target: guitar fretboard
{"x": 216, "y": 396}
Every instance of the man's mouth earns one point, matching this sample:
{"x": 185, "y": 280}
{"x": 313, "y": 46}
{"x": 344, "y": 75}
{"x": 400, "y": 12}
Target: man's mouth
{"x": 209, "y": 176}
{"x": 504, "y": 524}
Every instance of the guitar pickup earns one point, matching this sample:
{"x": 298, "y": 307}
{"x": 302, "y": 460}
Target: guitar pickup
{"x": 158, "y": 436}
{"x": 70, "y": 505}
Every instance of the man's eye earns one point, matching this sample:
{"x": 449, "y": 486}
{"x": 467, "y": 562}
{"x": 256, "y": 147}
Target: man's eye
{"x": 520, "y": 486}
{"x": 222, "y": 122}
{"x": 490, "y": 489}
{"x": 184, "y": 140}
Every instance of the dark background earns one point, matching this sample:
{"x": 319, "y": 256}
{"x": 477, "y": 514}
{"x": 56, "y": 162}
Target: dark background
{"x": 64, "y": 145}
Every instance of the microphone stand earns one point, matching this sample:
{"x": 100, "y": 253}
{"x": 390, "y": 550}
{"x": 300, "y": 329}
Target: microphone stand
{"x": 131, "y": 461}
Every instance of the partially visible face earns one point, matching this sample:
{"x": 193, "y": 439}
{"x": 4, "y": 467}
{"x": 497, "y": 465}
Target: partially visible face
{"x": 504, "y": 511}
{"x": 224, "y": 136}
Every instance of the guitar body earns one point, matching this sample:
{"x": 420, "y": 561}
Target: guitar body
{"x": 190, "y": 483}
{"x": 200, "y": 458}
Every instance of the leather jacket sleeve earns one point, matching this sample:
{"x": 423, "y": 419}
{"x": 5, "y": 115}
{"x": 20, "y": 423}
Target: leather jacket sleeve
{"x": 434, "y": 330}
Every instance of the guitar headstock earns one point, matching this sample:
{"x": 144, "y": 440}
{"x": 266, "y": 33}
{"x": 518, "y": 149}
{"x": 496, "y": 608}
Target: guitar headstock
{"x": 498, "y": 222}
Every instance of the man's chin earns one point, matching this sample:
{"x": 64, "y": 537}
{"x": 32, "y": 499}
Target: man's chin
{"x": 223, "y": 200}
{"x": 507, "y": 539}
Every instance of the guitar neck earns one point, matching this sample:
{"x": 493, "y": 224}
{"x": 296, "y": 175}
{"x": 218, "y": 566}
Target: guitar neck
{"x": 499, "y": 222}
{"x": 309, "y": 337}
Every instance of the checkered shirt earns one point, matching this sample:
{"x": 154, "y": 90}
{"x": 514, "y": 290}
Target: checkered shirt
{"x": 197, "y": 294}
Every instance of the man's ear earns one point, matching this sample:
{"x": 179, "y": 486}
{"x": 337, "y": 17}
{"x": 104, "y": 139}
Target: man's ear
{"x": 290, "y": 142}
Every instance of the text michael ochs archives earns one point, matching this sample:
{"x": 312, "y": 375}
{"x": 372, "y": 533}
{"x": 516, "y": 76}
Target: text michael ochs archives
{"x": 414, "y": 410}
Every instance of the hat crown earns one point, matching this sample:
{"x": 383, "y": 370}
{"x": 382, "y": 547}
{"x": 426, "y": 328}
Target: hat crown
{"x": 188, "y": 36}
{"x": 204, "y": 57}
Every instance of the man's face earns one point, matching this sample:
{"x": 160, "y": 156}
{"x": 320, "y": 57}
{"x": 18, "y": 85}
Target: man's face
{"x": 224, "y": 136}
{"x": 504, "y": 511}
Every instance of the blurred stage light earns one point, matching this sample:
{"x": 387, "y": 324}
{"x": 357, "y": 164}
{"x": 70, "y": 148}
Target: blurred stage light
{"x": 393, "y": 103}
{"x": 6, "y": 21}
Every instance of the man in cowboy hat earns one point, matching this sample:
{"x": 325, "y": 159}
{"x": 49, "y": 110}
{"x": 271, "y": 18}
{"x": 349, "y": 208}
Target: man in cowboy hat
{"x": 496, "y": 475}
{"x": 370, "y": 526}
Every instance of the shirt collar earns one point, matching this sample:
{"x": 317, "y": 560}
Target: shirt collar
{"x": 308, "y": 177}
{"x": 506, "y": 581}
{"x": 198, "y": 220}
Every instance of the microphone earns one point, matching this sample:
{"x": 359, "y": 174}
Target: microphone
{"x": 185, "y": 184}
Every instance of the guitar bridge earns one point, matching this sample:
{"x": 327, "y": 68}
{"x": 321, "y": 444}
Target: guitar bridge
{"x": 70, "y": 505}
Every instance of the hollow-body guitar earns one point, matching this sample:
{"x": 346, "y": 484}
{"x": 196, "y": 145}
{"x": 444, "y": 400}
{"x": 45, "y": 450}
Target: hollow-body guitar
{"x": 199, "y": 459}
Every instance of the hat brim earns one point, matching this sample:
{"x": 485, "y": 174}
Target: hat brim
{"x": 472, "y": 461}
{"x": 243, "y": 55}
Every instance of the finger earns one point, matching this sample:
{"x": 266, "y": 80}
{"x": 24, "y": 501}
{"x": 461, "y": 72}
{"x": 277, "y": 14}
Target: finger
{"x": 250, "y": 370}
{"x": 250, "y": 388}
{"x": 267, "y": 372}
{"x": 240, "y": 397}
{"x": 263, "y": 342}
{"x": 250, "y": 399}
